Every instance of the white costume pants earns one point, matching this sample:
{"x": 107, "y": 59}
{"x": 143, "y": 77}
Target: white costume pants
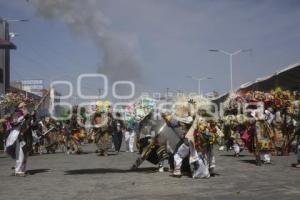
{"x": 182, "y": 152}
{"x": 21, "y": 157}
{"x": 236, "y": 148}
{"x": 200, "y": 163}
{"x": 266, "y": 157}
{"x": 129, "y": 140}
{"x": 211, "y": 158}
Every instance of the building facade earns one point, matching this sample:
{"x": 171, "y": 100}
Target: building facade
{"x": 5, "y": 46}
{"x": 2, "y": 59}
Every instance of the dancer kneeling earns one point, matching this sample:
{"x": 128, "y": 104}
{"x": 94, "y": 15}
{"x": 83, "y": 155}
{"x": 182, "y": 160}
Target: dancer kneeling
{"x": 198, "y": 145}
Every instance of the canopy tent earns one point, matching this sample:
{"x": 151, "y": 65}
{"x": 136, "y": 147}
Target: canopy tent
{"x": 288, "y": 79}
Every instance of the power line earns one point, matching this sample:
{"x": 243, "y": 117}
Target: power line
{"x": 57, "y": 52}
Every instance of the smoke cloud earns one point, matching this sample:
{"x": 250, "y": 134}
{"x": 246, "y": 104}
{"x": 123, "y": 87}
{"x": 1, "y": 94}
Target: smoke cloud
{"x": 118, "y": 51}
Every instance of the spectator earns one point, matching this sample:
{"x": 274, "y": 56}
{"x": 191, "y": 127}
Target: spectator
{"x": 129, "y": 139}
{"x": 118, "y": 128}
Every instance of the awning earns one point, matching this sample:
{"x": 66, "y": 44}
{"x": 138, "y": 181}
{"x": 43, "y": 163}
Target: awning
{"x": 287, "y": 78}
{"x": 4, "y": 44}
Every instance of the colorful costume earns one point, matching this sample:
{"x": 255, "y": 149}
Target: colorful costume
{"x": 101, "y": 128}
{"x": 18, "y": 143}
{"x": 258, "y": 139}
{"x": 198, "y": 144}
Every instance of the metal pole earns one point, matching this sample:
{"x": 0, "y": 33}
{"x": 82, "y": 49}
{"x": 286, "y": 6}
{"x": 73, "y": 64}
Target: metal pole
{"x": 199, "y": 86}
{"x": 6, "y": 58}
{"x": 231, "y": 73}
{"x": 100, "y": 93}
{"x": 167, "y": 94}
{"x": 199, "y": 82}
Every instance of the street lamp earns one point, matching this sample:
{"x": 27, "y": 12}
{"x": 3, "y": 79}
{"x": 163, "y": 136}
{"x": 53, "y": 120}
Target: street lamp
{"x": 230, "y": 61}
{"x": 15, "y": 20}
{"x": 167, "y": 95}
{"x": 13, "y": 35}
{"x": 6, "y": 36}
{"x": 199, "y": 81}
{"x": 6, "y": 21}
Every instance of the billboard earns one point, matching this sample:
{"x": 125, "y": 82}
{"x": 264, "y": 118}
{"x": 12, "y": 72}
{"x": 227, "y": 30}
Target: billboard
{"x": 35, "y": 86}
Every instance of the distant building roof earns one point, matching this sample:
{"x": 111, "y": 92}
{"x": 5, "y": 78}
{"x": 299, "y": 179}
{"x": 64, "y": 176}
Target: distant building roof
{"x": 288, "y": 78}
{"x": 4, "y": 44}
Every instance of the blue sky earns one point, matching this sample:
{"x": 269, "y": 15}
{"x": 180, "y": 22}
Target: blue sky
{"x": 171, "y": 38}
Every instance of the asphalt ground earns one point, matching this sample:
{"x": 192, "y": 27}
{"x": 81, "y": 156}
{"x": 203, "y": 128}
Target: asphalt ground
{"x": 88, "y": 176}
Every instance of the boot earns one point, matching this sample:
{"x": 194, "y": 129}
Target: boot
{"x": 177, "y": 173}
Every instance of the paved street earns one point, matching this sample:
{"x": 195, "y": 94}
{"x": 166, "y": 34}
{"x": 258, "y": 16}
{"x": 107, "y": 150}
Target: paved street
{"x": 87, "y": 176}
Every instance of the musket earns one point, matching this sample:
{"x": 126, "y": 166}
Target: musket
{"x": 38, "y": 106}
{"x": 270, "y": 133}
{"x": 172, "y": 128}
{"x": 42, "y": 100}
{"x": 48, "y": 131}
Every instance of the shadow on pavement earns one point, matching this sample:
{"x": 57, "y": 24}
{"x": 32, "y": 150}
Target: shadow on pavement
{"x": 37, "y": 171}
{"x": 231, "y": 155}
{"x": 109, "y": 170}
{"x": 252, "y": 161}
{"x": 109, "y": 154}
